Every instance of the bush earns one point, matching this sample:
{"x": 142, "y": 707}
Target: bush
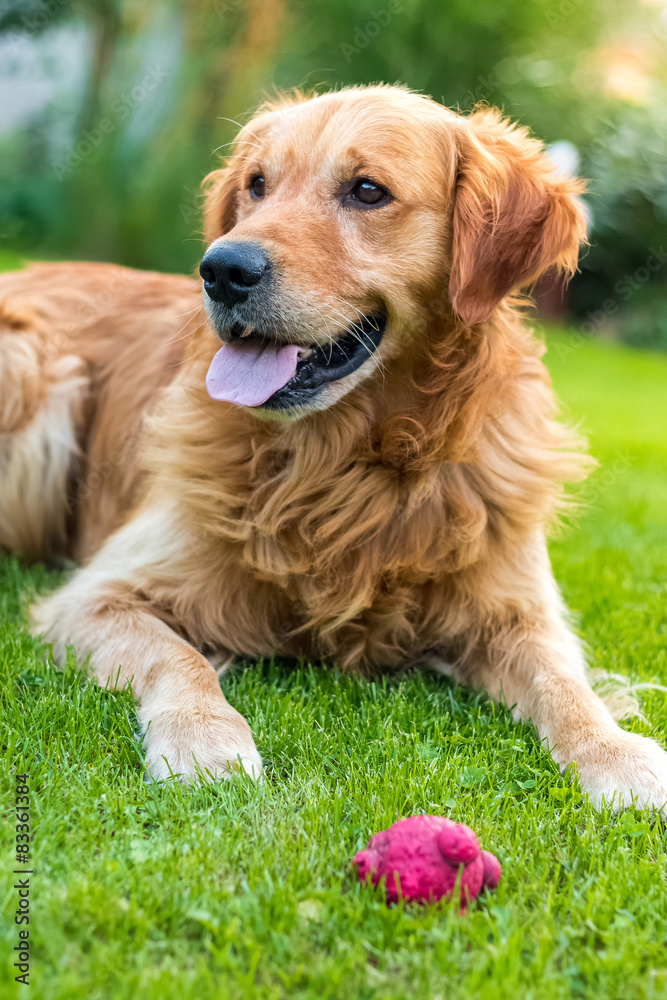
{"x": 644, "y": 324}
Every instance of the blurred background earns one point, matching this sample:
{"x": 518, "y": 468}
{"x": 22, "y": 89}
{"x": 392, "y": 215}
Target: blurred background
{"x": 112, "y": 111}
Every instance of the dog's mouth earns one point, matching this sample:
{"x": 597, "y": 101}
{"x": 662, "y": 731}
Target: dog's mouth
{"x": 256, "y": 370}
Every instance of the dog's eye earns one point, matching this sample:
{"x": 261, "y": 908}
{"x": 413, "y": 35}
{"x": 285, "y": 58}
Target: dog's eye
{"x": 365, "y": 193}
{"x": 257, "y": 187}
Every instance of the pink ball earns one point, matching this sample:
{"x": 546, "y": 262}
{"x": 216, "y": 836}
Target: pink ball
{"x": 421, "y": 856}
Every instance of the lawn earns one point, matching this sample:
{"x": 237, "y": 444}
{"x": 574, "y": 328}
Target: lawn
{"x": 153, "y": 891}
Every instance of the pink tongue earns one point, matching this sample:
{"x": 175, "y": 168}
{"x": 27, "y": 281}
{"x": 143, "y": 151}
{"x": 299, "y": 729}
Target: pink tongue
{"x": 249, "y": 372}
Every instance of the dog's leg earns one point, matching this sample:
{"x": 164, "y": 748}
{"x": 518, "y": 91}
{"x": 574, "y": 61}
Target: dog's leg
{"x": 190, "y": 728}
{"x": 533, "y": 662}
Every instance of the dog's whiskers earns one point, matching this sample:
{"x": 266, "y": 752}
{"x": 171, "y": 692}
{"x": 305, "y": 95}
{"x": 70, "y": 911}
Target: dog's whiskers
{"x": 357, "y": 333}
{"x": 325, "y": 321}
{"x": 233, "y": 143}
{"x": 245, "y": 128}
{"x": 183, "y": 331}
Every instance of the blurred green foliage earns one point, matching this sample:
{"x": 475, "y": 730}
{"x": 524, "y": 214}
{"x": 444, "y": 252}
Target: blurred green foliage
{"x": 145, "y": 94}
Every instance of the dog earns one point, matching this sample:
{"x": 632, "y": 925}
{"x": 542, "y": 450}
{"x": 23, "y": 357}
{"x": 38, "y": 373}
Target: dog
{"x": 342, "y": 445}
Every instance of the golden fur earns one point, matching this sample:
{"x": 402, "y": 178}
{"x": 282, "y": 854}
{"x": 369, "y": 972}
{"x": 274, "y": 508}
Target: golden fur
{"x": 402, "y": 521}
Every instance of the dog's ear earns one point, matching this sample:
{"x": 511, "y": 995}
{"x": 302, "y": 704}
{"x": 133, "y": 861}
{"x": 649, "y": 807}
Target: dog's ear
{"x": 513, "y": 217}
{"x": 220, "y": 192}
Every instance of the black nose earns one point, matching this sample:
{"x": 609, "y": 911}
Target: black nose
{"x": 231, "y": 270}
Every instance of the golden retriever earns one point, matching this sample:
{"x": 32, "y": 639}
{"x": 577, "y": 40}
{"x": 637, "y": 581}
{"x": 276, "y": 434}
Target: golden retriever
{"x": 349, "y": 453}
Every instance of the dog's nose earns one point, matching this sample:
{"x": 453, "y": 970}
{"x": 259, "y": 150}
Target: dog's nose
{"x": 231, "y": 270}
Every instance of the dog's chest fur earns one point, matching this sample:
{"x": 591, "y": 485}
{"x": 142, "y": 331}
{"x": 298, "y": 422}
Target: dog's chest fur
{"x": 321, "y": 538}
{"x": 318, "y": 546}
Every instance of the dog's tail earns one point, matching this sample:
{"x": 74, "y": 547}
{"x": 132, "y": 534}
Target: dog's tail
{"x": 42, "y": 392}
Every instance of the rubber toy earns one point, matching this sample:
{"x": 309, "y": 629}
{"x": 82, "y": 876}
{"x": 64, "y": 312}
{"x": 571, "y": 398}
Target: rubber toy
{"x": 420, "y": 858}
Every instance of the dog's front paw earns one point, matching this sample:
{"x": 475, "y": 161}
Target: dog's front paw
{"x": 624, "y": 769}
{"x": 47, "y": 622}
{"x": 199, "y": 745}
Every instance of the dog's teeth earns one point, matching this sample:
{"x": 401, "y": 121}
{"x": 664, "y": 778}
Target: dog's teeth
{"x": 305, "y": 354}
{"x": 246, "y": 332}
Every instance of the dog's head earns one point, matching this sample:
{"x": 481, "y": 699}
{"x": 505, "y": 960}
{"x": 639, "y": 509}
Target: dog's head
{"x": 345, "y": 225}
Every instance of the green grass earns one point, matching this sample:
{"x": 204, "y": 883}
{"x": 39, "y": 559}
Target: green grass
{"x": 10, "y": 261}
{"x": 152, "y": 891}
